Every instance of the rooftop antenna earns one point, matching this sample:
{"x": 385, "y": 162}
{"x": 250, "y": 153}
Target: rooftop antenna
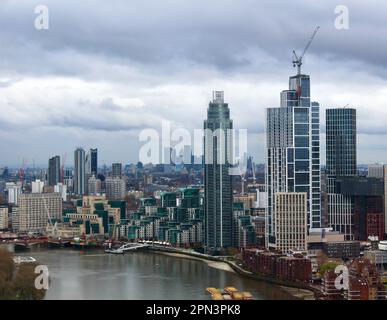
{"x": 297, "y": 60}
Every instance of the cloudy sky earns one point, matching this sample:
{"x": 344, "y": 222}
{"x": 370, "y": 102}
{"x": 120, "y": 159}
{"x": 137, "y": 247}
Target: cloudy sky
{"x": 107, "y": 69}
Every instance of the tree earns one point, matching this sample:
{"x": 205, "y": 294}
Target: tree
{"x": 24, "y": 283}
{"x": 327, "y": 266}
{"x": 18, "y": 282}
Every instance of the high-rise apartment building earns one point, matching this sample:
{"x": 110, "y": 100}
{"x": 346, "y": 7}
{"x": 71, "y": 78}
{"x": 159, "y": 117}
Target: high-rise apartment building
{"x": 217, "y": 179}
{"x": 116, "y": 170}
{"x": 380, "y": 171}
{"x": 341, "y": 162}
{"x": 291, "y": 220}
{"x": 293, "y": 153}
{"x": 115, "y": 188}
{"x": 54, "y": 171}
{"x": 79, "y": 179}
{"x": 14, "y": 191}
{"x": 35, "y": 210}
{"x": 37, "y": 186}
{"x": 94, "y": 186}
{"x": 3, "y": 217}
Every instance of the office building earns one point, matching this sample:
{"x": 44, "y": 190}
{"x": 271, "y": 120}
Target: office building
{"x": 366, "y": 195}
{"x": 115, "y": 188}
{"x": 116, "y": 170}
{"x": 62, "y": 190}
{"x": 293, "y": 153}
{"x": 217, "y": 180}
{"x": 79, "y": 171}
{"x": 94, "y": 186}
{"x": 35, "y": 210}
{"x": 341, "y": 162}
{"x": 14, "y": 191}
{"x": 3, "y": 217}
{"x": 54, "y": 171}
{"x": 376, "y": 171}
{"x": 380, "y": 171}
{"x": 94, "y": 161}
{"x": 37, "y": 186}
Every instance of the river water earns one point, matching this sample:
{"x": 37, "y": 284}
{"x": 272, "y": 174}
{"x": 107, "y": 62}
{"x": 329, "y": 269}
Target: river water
{"x": 140, "y": 275}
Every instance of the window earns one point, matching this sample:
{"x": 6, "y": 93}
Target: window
{"x": 302, "y": 178}
{"x": 290, "y": 155}
{"x": 290, "y": 170}
{"x": 301, "y": 129}
{"x": 302, "y": 141}
{"x": 301, "y": 115}
{"x": 301, "y": 189}
{"x": 302, "y": 153}
{"x": 302, "y": 166}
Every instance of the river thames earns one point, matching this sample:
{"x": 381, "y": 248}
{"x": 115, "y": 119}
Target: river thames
{"x": 141, "y": 275}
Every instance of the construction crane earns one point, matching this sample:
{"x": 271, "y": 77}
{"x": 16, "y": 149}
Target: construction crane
{"x": 54, "y": 227}
{"x": 297, "y": 60}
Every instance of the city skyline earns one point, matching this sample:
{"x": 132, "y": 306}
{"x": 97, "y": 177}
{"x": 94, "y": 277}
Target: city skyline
{"x": 101, "y": 90}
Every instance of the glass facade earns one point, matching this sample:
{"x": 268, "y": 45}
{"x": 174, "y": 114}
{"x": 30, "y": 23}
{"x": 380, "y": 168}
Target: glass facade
{"x": 293, "y": 151}
{"x": 217, "y": 180}
{"x": 341, "y": 144}
{"x": 341, "y": 162}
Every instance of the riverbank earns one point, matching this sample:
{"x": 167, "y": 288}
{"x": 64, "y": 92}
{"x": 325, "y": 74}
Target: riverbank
{"x": 220, "y": 265}
{"x": 297, "y": 290}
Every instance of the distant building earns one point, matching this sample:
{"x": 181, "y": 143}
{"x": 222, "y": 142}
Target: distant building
{"x": 94, "y": 186}
{"x": 62, "y": 190}
{"x": 243, "y": 229}
{"x": 14, "y": 191}
{"x": 376, "y": 171}
{"x": 3, "y": 218}
{"x": 115, "y": 188}
{"x": 54, "y": 171}
{"x": 380, "y": 171}
{"x": 68, "y": 179}
{"x": 94, "y": 161}
{"x": 117, "y": 170}
{"x": 37, "y": 186}
{"x": 79, "y": 172}
{"x": 95, "y": 215}
{"x": 35, "y": 210}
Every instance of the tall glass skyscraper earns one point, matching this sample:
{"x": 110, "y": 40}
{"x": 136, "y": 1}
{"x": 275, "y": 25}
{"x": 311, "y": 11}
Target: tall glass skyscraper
{"x": 94, "y": 161}
{"x": 54, "y": 171}
{"x": 217, "y": 180}
{"x": 293, "y": 152}
{"x": 341, "y": 162}
{"x": 79, "y": 171}
{"x": 341, "y": 144}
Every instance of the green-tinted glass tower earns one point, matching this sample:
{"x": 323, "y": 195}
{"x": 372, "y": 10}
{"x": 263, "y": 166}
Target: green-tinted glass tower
{"x": 217, "y": 180}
